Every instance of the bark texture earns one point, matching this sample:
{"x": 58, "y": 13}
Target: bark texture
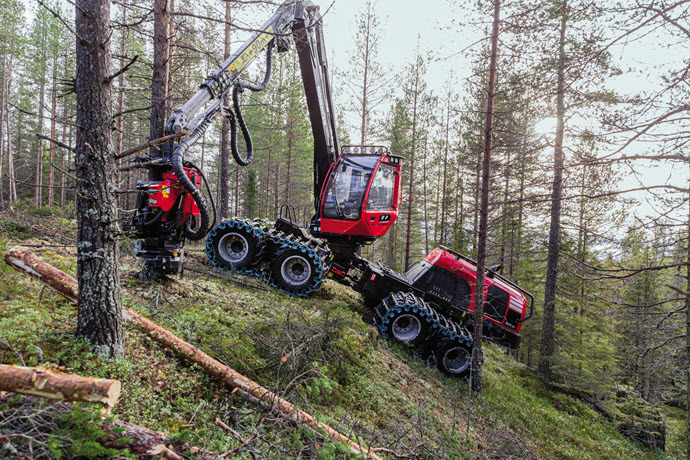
{"x": 67, "y": 286}
{"x": 224, "y": 181}
{"x": 484, "y": 209}
{"x": 56, "y": 385}
{"x": 99, "y": 314}
{"x": 548, "y": 328}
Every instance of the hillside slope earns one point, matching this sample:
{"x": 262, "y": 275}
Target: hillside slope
{"x": 320, "y": 353}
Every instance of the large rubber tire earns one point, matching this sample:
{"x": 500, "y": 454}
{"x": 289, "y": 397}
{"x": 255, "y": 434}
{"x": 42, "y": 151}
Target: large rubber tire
{"x": 454, "y": 359}
{"x": 293, "y": 270}
{"x": 237, "y": 248}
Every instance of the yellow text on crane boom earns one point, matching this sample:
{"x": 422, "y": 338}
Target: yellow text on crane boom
{"x": 243, "y": 60}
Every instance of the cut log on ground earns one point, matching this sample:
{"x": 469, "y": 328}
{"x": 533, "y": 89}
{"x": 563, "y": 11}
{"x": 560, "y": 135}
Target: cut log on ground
{"x": 56, "y": 385}
{"x": 27, "y": 262}
{"x": 26, "y": 411}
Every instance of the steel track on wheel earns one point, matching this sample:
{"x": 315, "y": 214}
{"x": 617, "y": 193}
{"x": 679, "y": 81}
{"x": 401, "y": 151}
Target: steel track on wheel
{"x": 276, "y": 241}
{"x": 444, "y": 329}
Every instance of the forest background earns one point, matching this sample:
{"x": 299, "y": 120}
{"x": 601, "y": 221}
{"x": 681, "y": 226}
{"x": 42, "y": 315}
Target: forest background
{"x": 622, "y": 296}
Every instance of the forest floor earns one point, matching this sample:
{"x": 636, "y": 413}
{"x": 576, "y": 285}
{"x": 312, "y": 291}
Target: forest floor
{"x": 320, "y": 353}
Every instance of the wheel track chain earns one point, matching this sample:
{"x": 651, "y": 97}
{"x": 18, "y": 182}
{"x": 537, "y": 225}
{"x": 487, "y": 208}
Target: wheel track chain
{"x": 398, "y": 302}
{"x": 279, "y": 241}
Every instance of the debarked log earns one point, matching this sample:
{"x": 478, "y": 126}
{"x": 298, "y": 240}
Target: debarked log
{"x": 48, "y": 384}
{"x": 27, "y": 262}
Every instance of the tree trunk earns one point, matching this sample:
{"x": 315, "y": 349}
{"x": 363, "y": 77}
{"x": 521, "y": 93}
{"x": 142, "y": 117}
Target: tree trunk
{"x": 99, "y": 318}
{"x": 442, "y": 239}
{"x": 410, "y": 192}
{"x": 548, "y": 329}
{"x": 159, "y": 81}
{"x": 484, "y": 211}
{"x": 56, "y": 385}
{"x": 3, "y": 95}
{"x": 424, "y": 194}
{"x": 224, "y": 180}
{"x": 159, "y": 94}
{"x": 121, "y": 105}
{"x": 687, "y": 335}
{"x": 10, "y": 155}
{"x": 53, "y": 116}
{"x": 38, "y": 192}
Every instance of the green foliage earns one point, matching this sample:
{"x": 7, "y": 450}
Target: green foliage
{"x": 82, "y": 427}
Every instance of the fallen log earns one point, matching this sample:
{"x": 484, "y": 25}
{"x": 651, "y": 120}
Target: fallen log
{"x": 145, "y": 443}
{"x": 149, "y": 444}
{"x": 27, "y": 262}
{"x": 55, "y": 385}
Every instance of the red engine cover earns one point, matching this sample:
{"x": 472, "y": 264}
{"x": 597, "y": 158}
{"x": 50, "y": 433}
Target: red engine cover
{"x": 169, "y": 190}
{"x": 468, "y": 271}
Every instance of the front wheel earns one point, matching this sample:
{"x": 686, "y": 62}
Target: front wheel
{"x": 294, "y": 270}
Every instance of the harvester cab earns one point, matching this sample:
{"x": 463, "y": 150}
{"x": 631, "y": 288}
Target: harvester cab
{"x": 361, "y": 196}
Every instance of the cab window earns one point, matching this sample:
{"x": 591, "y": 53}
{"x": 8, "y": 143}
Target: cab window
{"x": 382, "y": 187}
{"x": 347, "y": 187}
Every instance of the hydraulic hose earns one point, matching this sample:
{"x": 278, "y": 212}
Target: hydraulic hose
{"x": 237, "y": 117}
{"x": 189, "y": 164}
{"x": 187, "y": 184}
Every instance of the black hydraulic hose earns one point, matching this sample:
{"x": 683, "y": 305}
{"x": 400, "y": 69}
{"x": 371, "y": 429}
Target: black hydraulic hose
{"x": 237, "y": 117}
{"x": 208, "y": 190}
{"x": 154, "y": 219}
{"x": 267, "y": 77}
{"x": 187, "y": 184}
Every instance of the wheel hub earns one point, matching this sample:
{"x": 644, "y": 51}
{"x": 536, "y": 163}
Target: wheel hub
{"x": 295, "y": 270}
{"x": 406, "y": 328}
{"x": 233, "y": 247}
{"x": 456, "y": 360}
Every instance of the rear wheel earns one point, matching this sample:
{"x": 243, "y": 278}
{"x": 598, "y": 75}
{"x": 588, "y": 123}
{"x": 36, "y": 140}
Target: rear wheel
{"x": 293, "y": 269}
{"x": 454, "y": 359}
{"x": 236, "y": 247}
{"x": 404, "y": 318}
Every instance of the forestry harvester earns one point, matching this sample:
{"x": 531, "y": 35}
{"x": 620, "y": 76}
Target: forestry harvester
{"x": 357, "y": 193}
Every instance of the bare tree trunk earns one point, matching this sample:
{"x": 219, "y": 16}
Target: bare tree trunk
{"x": 121, "y": 106}
{"x": 442, "y": 239}
{"x": 484, "y": 211}
{"x": 62, "y": 158}
{"x": 38, "y": 192}
{"x": 99, "y": 318}
{"x": 224, "y": 179}
{"x": 275, "y": 197}
{"x": 10, "y": 155}
{"x": 171, "y": 54}
{"x": 426, "y": 215}
{"x": 410, "y": 192}
{"x": 3, "y": 96}
{"x": 268, "y": 181}
{"x": 159, "y": 81}
{"x": 687, "y": 335}
{"x": 547, "y": 346}
{"x": 159, "y": 94}
{"x": 53, "y": 115}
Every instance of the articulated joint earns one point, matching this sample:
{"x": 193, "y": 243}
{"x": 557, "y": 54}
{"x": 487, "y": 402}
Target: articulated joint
{"x": 217, "y": 82}
{"x": 176, "y": 123}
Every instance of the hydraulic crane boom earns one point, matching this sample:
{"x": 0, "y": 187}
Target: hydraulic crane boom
{"x": 171, "y": 205}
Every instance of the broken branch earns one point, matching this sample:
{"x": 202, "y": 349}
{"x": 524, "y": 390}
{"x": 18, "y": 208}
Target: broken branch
{"x": 141, "y": 147}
